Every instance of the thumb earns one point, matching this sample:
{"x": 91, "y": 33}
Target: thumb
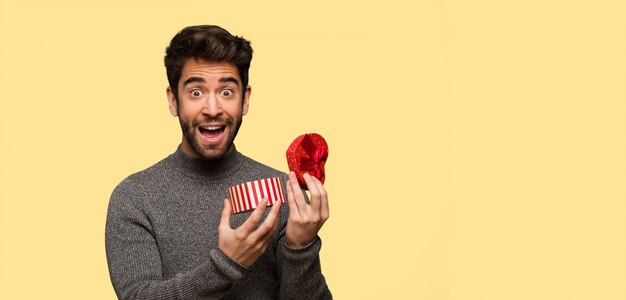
{"x": 225, "y": 219}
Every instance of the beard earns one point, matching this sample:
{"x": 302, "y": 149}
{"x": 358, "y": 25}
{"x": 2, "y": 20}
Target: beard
{"x": 210, "y": 152}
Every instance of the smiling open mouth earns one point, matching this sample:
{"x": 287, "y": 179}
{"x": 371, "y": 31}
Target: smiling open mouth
{"x": 212, "y": 133}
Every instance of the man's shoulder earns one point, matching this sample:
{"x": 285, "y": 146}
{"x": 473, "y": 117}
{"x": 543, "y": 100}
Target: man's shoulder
{"x": 139, "y": 181}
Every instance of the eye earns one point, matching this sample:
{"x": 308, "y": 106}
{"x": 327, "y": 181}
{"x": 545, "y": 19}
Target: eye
{"x": 227, "y": 92}
{"x": 196, "y": 92}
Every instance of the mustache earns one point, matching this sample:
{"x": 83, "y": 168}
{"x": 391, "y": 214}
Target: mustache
{"x": 226, "y": 120}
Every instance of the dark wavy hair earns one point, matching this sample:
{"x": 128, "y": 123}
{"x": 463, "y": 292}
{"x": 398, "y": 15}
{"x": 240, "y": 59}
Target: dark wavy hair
{"x": 210, "y": 43}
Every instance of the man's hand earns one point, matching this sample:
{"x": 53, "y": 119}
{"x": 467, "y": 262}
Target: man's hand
{"x": 247, "y": 243}
{"x": 305, "y": 220}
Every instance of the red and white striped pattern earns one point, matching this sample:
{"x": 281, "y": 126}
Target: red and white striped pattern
{"x": 246, "y": 196}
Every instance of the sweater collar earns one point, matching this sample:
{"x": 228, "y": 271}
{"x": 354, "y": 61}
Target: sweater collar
{"x": 207, "y": 169}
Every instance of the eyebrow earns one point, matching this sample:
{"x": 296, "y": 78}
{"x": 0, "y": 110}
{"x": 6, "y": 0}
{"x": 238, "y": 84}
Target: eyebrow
{"x": 193, "y": 79}
{"x": 229, "y": 79}
{"x": 201, "y": 80}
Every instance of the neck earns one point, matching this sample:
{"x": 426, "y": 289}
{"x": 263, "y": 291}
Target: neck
{"x": 206, "y": 169}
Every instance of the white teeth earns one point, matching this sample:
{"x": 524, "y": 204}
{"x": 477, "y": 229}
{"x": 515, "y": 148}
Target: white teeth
{"x": 211, "y": 128}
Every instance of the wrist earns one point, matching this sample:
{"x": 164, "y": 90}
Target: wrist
{"x": 297, "y": 246}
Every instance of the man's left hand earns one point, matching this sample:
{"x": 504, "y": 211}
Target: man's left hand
{"x": 305, "y": 220}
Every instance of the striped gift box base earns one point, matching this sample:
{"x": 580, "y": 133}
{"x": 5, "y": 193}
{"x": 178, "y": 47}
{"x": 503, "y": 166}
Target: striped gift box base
{"x": 245, "y": 196}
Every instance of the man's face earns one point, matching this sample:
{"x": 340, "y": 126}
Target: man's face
{"x": 209, "y": 107}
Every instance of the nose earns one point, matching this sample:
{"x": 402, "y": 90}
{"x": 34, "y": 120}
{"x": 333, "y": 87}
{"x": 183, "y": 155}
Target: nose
{"x": 212, "y": 106}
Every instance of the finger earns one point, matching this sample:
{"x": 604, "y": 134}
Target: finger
{"x": 298, "y": 197}
{"x": 293, "y": 207}
{"x": 277, "y": 217}
{"x": 225, "y": 219}
{"x": 267, "y": 237}
{"x": 315, "y": 193}
{"x": 325, "y": 211}
{"x": 266, "y": 228}
{"x": 250, "y": 224}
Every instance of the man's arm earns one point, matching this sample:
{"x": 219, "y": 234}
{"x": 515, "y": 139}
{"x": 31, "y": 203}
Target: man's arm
{"x": 135, "y": 262}
{"x": 134, "y": 259}
{"x": 301, "y": 272}
{"x": 299, "y": 247}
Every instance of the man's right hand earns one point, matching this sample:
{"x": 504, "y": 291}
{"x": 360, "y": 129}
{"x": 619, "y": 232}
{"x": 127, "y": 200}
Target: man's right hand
{"x": 247, "y": 243}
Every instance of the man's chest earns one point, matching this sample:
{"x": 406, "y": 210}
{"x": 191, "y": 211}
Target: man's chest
{"x": 185, "y": 227}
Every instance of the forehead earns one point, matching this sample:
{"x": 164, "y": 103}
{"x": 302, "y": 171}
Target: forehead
{"x": 208, "y": 70}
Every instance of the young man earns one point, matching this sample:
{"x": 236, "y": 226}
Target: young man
{"x": 170, "y": 233}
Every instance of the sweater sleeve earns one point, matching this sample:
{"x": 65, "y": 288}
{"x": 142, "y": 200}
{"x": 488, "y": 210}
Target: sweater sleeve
{"x": 300, "y": 271}
{"x": 135, "y": 263}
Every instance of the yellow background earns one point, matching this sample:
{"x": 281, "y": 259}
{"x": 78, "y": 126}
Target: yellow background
{"x": 477, "y": 148}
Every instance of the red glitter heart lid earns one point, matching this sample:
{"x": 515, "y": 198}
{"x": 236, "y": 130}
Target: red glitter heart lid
{"x": 308, "y": 154}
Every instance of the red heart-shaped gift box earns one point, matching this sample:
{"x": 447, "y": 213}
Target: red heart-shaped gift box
{"x": 308, "y": 154}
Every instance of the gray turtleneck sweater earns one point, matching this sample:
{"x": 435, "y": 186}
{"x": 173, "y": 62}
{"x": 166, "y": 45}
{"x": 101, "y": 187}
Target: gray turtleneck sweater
{"x": 161, "y": 237}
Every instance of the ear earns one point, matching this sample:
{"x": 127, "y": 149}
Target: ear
{"x": 246, "y": 99}
{"x": 171, "y": 99}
